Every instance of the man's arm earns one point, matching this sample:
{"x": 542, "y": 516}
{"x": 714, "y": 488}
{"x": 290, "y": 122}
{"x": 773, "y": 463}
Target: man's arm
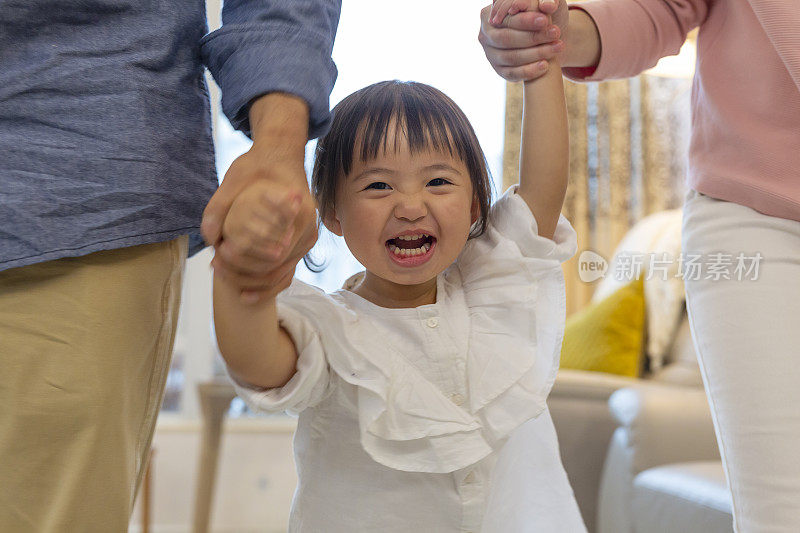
{"x": 267, "y": 46}
{"x": 273, "y": 63}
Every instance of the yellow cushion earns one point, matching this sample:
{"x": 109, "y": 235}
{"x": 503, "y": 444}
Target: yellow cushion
{"x": 607, "y": 336}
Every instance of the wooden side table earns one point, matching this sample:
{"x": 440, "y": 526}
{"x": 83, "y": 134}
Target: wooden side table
{"x": 215, "y": 400}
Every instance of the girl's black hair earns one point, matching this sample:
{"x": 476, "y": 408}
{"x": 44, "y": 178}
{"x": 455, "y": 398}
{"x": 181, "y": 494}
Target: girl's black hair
{"x": 424, "y": 116}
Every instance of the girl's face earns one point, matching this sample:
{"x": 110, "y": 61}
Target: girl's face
{"x": 405, "y": 217}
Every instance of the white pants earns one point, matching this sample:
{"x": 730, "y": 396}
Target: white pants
{"x": 747, "y": 336}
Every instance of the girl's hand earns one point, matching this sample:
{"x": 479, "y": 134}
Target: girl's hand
{"x": 556, "y": 9}
{"x": 519, "y": 38}
{"x": 503, "y": 8}
{"x": 256, "y": 235}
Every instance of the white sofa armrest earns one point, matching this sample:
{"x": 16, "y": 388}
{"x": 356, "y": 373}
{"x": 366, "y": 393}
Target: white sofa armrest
{"x": 664, "y": 424}
{"x": 658, "y": 424}
{"x": 587, "y": 385}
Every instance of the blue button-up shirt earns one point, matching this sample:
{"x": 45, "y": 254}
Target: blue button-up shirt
{"x": 105, "y": 130}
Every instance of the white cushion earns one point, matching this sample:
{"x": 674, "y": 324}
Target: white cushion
{"x": 651, "y": 237}
{"x": 682, "y": 498}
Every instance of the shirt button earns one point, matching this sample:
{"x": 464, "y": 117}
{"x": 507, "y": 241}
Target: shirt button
{"x": 469, "y": 478}
{"x": 433, "y": 322}
{"x": 457, "y": 399}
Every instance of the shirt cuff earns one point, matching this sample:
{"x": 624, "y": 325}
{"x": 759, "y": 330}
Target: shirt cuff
{"x": 310, "y": 382}
{"x": 249, "y": 60}
{"x": 514, "y": 220}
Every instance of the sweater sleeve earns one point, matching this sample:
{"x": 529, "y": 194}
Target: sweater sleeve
{"x": 635, "y": 34}
{"x": 269, "y": 46}
{"x": 780, "y": 20}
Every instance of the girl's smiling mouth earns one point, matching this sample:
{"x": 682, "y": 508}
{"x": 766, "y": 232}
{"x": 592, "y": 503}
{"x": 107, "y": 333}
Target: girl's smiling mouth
{"x": 411, "y": 249}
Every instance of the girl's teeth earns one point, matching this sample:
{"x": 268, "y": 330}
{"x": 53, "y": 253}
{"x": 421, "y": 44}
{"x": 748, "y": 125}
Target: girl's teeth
{"x": 406, "y": 252}
{"x": 411, "y": 237}
{"x": 409, "y": 252}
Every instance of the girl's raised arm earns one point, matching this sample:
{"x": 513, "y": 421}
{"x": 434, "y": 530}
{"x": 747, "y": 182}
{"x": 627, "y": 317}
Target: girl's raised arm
{"x": 544, "y": 150}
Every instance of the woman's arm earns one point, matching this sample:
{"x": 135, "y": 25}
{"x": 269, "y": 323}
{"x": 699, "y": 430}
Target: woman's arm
{"x": 544, "y": 150}
{"x": 583, "y": 41}
{"x": 256, "y": 349}
{"x": 627, "y": 37}
{"x": 603, "y": 39}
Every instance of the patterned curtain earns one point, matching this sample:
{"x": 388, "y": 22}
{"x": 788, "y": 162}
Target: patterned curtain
{"x": 628, "y": 146}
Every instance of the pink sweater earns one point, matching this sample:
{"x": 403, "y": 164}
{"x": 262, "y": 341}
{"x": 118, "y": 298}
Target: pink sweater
{"x": 745, "y": 144}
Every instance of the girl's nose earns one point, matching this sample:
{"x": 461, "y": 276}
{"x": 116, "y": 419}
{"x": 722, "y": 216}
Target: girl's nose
{"x": 411, "y": 207}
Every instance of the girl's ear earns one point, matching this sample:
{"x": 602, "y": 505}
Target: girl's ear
{"x": 331, "y": 222}
{"x": 475, "y": 210}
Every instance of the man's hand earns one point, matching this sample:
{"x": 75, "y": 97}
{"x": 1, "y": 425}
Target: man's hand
{"x": 248, "y": 254}
{"x": 270, "y": 225}
{"x": 260, "y": 227}
{"x": 518, "y": 40}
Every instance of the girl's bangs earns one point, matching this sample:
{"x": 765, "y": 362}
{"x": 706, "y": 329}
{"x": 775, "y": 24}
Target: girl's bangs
{"x": 421, "y": 126}
{"x": 402, "y": 111}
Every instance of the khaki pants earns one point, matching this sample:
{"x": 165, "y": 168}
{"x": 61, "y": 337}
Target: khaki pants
{"x": 85, "y": 345}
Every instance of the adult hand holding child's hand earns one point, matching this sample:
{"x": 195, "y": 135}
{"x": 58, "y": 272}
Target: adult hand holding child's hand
{"x": 519, "y": 37}
{"x": 259, "y": 234}
{"x": 262, "y": 220}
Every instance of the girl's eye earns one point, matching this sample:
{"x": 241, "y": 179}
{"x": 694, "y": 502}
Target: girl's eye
{"x": 438, "y": 181}
{"x": 378, "y": 185}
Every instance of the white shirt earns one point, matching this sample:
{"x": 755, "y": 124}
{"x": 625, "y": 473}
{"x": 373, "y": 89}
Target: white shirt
{"x": 433, "y": 419}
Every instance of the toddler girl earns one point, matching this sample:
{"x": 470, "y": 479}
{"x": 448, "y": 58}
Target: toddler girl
{"x": 421, "y": 386}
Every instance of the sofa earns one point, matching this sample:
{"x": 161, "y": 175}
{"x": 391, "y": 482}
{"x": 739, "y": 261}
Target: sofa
{"x": 641, "y": 453}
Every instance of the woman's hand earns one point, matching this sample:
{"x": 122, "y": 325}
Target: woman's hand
{"x": 519, "y": 37}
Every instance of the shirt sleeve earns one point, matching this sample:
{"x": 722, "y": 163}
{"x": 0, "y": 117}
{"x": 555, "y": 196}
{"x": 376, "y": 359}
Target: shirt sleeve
{"x": 635, "y": 34}
{"x": 512, "y": 244}
{"x": 309, "y": 385}
{"x": 271, "y": 45}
